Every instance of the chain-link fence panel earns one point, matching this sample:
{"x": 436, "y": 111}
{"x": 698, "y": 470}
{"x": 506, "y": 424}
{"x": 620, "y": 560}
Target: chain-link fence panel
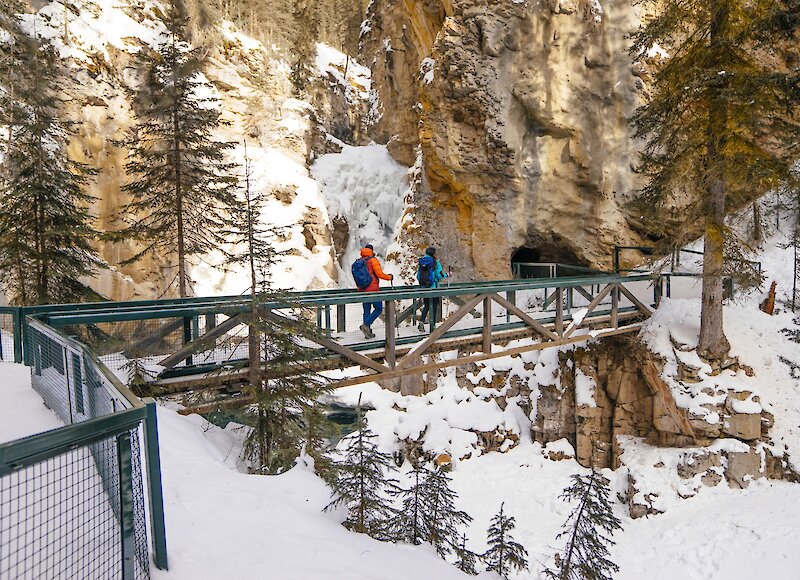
{"x": 62, "y": 518}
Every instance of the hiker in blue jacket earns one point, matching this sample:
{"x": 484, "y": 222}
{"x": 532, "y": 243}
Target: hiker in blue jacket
{"x": 429, "y": 274}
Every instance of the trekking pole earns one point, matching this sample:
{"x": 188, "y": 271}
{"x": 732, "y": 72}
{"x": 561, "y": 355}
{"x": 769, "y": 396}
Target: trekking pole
{"x": 447, "y": 306}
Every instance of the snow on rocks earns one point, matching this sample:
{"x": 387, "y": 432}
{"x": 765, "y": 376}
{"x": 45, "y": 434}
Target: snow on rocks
{"x": 333, "y": 63}
{"x": 450, "y": 420}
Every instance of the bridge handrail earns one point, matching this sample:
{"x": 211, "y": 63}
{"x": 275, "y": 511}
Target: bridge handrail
{"x": 147, "y": 309}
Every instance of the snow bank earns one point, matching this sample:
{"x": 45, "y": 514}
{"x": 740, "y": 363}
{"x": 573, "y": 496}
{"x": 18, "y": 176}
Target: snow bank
{"x": 225, "y": 524}
{"x": 22, "y": 411}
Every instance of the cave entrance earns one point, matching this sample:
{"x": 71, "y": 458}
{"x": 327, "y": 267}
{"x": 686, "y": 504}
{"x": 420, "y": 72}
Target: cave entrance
{"x": 526, "y": 263}
{"x": 547, "y": 261}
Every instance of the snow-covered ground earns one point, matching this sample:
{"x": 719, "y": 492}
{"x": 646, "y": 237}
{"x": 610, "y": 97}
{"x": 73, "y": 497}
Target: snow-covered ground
{"x": 224, "y": 523}
{"x": 22, "y": 411}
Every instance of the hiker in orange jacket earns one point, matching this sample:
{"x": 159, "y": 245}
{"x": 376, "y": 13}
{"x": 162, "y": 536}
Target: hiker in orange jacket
{"x": 372, "y": 310}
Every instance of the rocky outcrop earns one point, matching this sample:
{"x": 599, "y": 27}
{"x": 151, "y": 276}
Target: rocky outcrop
{"x": 519, "y": 112}
{"x": 610, "y": 400}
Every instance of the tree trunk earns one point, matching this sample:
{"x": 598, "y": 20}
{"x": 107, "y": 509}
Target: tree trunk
{"x": 758, "y": 233}
{"x": 713, "y": 344}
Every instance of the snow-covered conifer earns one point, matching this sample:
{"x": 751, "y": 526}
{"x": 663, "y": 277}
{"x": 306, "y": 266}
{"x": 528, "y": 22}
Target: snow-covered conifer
{"x": 361, "y": 483}
{"x": 409, "y": 524}
{"x": 284, "y": 414}
{"x": 428, "y": 512}
{"x": 504, "y": 553}
{"x": 441, "y": 516}
{"x": 465, "y": 558}
{"x": 588, "y": 530}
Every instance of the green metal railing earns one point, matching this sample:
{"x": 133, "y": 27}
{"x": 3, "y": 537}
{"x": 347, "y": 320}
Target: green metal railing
{"x": 72, "y": 499}
{"x": 753, "y": 265}
{"x": 128, "y": 333}
{"x": 550, "y": 270}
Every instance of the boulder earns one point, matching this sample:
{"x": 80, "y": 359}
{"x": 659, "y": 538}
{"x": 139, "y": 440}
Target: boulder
{"x": 742, "y": 468}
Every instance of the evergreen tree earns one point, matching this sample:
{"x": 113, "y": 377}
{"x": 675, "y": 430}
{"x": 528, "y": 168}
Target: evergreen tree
{"x": 45, "y": 227}
{"x": 442, "y": 518}
{"x": 409, "y": 524}
{"x": 138, "y": 377}
{"x": 304, "y": 47}
{"x": 465, "y": 558}
{"x": 791, "y": 199}
{"x": 719, "y": 105}
{"x": 182, "y": 187}
{"x": 504, "y": 552}
{"x": 284, "y": 414}
{"x": 361, "y": 483}
{"x": 587, "y": 529}
{"x": 319, "y": 430}
{"x": 428, "y": 512}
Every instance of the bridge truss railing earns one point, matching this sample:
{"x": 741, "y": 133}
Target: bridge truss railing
{"x": 149, "y": 336}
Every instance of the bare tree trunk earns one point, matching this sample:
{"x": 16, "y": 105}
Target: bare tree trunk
{"x": 795, "y": 243}
{"x": 713, "y": 343}
{"x": 758, "y": 233}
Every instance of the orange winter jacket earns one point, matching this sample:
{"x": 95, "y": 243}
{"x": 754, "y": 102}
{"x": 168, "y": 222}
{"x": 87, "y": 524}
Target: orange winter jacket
{"x": 374, "y": 268}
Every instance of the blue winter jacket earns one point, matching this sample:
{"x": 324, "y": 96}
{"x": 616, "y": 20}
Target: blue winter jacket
{"x": 438, "y": 272}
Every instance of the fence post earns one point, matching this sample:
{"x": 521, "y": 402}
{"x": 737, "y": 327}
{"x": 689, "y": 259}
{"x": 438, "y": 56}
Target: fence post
{"x": 559, "y": 304}
{"x": 155, "y": 495}
{"x": 341, "y": 317}
{"x": 487, "y": 325}
{"x": 187, "y": 336}
{"x": 391, "y": 328}
{"x": 328, "y": 320}
{"x": 17, "y": 318}
{"x": 615, "y": 306}
{"x": 616, "y": 259}
{"x": 127, "y": 525}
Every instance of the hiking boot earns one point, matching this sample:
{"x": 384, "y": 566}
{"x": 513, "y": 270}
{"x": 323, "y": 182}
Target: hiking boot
{"x": 421, "y": 327}
{"x": 367, "y": 331}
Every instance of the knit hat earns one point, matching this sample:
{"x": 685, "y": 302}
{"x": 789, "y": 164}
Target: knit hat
{"x": 431, "y": 251}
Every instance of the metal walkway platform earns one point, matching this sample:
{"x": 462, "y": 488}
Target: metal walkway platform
{"x": 196, "y": 343}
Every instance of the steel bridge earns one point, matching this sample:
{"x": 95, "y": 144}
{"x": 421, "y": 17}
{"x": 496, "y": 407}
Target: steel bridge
{"x": 201, "y": 343}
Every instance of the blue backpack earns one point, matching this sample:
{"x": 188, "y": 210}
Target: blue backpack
{"x": 361, "y": 273}
{"x": 426, "y": 271}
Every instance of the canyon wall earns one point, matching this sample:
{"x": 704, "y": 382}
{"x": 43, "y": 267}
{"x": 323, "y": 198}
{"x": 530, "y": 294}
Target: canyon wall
{"x": 518, "y": 113}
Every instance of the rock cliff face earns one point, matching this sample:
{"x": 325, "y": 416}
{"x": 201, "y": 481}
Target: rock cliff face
{"x": 518, "y": 111}
{"x": 98, "y": 45}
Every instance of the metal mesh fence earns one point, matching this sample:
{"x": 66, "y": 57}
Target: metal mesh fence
{"x": 6, "y": 336}
{"x": 131, "y": 345}
{"x": 66, "y": 376}
{"x": 61, "y": 518}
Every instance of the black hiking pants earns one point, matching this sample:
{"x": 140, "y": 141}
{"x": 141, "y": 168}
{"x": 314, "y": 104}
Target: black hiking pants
{"x": 430, "y": 304}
